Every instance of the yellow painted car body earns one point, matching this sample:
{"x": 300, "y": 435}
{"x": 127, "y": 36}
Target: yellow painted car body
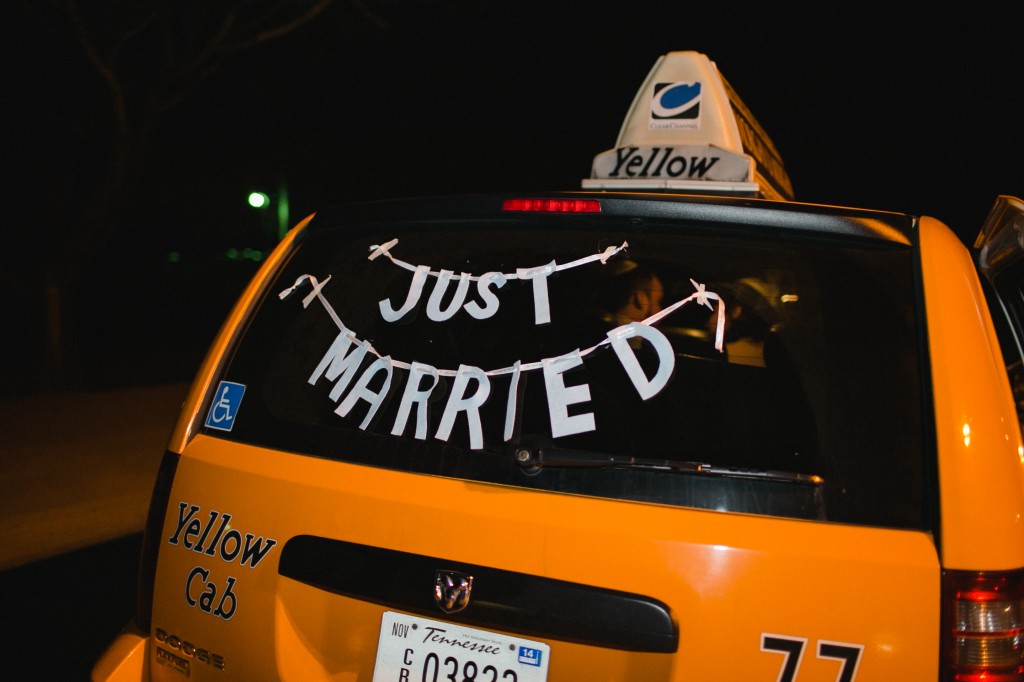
{"x": 980, "y": 456}
{"x": 740, "y": 587}
{"x": 847, "y": 505}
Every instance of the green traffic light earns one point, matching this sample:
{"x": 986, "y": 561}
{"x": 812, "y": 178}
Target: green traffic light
{"x": 258, "y": 199}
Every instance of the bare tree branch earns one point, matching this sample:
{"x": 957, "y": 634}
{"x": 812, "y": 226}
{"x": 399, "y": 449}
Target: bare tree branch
{"x": 104, "y": 69}
{"x": 284, "y": 29}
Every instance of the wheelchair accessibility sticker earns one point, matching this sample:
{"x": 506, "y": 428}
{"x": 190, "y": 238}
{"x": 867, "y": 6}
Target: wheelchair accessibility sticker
{"x": 225, "y": 405}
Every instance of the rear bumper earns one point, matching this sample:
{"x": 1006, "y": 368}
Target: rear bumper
{"x": 125, "y": 658}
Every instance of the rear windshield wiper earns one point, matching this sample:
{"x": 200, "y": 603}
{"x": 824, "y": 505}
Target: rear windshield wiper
{"x": 565, "y": 458}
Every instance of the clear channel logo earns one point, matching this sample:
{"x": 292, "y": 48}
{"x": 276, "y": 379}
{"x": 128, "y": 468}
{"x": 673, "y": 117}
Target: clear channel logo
{"x": 678, "y": 102}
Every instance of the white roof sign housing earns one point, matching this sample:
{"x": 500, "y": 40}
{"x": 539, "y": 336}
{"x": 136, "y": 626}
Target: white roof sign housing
{"x": 688, "y": 131}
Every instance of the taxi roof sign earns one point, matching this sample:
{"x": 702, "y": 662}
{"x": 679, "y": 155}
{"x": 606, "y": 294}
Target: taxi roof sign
{"x": 688, "y": 131}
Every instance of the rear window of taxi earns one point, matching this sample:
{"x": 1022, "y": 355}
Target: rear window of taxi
{"x": 783, "y": 378}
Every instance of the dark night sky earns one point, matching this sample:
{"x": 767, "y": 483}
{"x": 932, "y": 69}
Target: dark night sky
{"x": 902, "y": 110}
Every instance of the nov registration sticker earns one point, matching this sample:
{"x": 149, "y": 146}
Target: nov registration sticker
{"x": 414, "y": 649}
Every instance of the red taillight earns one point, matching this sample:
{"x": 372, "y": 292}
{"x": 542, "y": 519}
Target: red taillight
{"x": 983, "y": 626}
{"x": 553, "y": 205}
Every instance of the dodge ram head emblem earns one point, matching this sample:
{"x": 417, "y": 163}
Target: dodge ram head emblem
{"x": 451, "y": 590}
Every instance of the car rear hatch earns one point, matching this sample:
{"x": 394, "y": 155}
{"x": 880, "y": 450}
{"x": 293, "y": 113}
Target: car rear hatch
{"x": 571, "y": 437}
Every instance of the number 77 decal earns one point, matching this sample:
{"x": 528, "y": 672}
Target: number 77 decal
{"x": 792, "y": 648}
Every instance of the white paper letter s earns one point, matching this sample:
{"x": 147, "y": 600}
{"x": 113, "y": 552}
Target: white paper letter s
{"x": 490, "y": 300}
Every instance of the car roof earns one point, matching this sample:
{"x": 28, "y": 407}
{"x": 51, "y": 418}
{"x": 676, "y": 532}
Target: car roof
{"x": 705, "y": 210}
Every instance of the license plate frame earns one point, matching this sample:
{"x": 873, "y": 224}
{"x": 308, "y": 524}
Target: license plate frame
{"x": 418, "y": 648}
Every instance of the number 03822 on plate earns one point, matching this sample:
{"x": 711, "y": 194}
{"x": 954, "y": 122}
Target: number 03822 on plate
{"x": 418, "y": 649}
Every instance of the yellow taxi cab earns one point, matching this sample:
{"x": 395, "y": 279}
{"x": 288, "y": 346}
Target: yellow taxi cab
{"x": 671, "y": 426}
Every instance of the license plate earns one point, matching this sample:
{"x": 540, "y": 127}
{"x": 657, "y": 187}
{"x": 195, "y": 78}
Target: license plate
{"x": 414, "y": 648}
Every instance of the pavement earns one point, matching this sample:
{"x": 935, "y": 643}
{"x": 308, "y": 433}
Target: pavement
{"x": 77, "y": 469}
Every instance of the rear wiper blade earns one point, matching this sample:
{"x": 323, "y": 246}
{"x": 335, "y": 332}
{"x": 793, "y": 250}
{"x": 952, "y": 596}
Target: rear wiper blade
{"x": 766, "y": 474}
{"x": 553, "y": 457}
